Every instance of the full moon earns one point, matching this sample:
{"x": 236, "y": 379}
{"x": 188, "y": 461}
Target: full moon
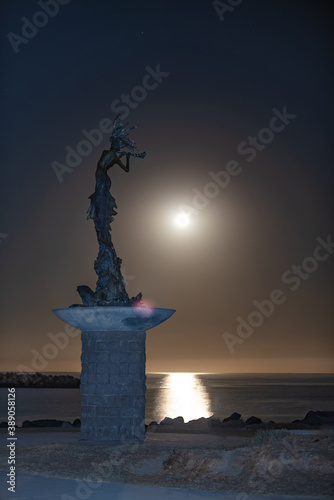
{"x": 182, "y": 220}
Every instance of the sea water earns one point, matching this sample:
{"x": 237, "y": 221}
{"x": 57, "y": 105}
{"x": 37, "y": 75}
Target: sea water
{"x": 278, "y": 397}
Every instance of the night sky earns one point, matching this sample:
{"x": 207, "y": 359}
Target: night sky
{"x": 244, "y": 89}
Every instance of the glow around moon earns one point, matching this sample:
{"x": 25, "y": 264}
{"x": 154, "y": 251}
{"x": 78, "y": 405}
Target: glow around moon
{"x": 182, "y": 220}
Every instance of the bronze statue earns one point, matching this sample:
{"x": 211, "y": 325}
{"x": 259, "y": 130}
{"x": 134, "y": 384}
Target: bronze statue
{"x": 110, "y": 286}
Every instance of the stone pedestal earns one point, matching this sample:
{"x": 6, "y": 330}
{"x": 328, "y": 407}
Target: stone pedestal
{"x": 113, "y": 385}
{"x": 113, "y": 380}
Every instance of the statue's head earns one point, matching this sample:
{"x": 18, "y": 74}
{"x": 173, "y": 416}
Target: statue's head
{"x": 115, "y": 144}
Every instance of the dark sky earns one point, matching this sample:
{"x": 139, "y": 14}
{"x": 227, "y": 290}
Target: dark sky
{"x": 221, "y": 80}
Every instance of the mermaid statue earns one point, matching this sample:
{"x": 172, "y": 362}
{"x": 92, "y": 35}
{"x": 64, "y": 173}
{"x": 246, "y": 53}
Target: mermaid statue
{"x": 110, "y": 286}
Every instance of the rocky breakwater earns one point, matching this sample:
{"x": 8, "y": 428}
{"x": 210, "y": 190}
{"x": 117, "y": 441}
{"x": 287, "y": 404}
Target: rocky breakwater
{"x": 235, "y": 422}
{"x": 38, "y": 380}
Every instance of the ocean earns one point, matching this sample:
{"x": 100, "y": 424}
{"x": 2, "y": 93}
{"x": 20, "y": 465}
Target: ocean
{"x": 278, "y": 397}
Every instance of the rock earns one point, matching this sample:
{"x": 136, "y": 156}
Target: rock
{"x": 201, "y": 420}
{"x": 152, "y": 427}
{"x": 214, "y": 422}
{"x": 319, "y": 417}
{"x": 253, "y": 420}
{"x": 28, "y": 423}
{"x": 77, "y": 423}
{"x": 11, "y": 379}
{"x": 327, "y": 417}
{"x": 42, "y": 423}
{"x": 87, "y": 295}
{"x": 66, "y": 425}
{"x": 172, "y": 421}
{"x": 234, "y": 416}
{"x": 312, "y": 418}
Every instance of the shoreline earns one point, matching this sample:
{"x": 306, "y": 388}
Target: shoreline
{"x": 214, "y": 424}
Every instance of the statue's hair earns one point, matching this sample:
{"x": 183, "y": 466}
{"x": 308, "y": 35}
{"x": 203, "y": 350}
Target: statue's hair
{"x": 120, "y": 139}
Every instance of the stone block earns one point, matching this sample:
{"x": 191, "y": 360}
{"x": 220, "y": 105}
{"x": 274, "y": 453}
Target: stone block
{"x": 90, "y": 367}
{"x": 128, "y": 411}
{"x": 88, "y": 433}
{"x": 102, "y": 368}
{"x": 85, "y": 399}
{"x": 125, "y": 401}
{"x": 103, "y": 388}
{"x": 133, "y": 357}
{"x": 139, "y": 413}
{"x": 138, "y": 421}
{"x": 88, "y": 388}
{"x": 108, "y": 411}
{"x": 101, "y": 336}
{"x": 99, "y": 378}
{"x": 108, "y": 345}
{"x": 89, "y": 399}
{"x": 138, "y": 389}
{"x": 119, "y": 378}
{"x": 89, "y": 357}
{"x": 105, "y": 336}
{"x": 92, "y": 378}
{"x": 88, "y": 345}
{"x": 135, "y": 345}
{"x": 84, "y": 356}
{"x": 138, "y": 378}
{"x": 122, "y": 389}
{"x": 138, "y": 401}
{"x": 84, "y": 377}
{"x": 115, "y": 357}
{"x": 110, "y": 400}
{"x": 107, "y": 433}
{"x": 88, "y": 411}
{"x": 136, "y": 367}
{"x": 124, "y": 368}
{"x": 101, "y": 357}
{"x": 88, "y": 422}
{"x": 112, "y": 421}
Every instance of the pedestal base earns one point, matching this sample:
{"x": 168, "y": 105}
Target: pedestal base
{"x": 113, "y": 368}
{"x": 113, "y": 386}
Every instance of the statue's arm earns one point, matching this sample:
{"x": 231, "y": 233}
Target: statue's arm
{"x": 124, "y": 167}
{"x": 109, "y": 159}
